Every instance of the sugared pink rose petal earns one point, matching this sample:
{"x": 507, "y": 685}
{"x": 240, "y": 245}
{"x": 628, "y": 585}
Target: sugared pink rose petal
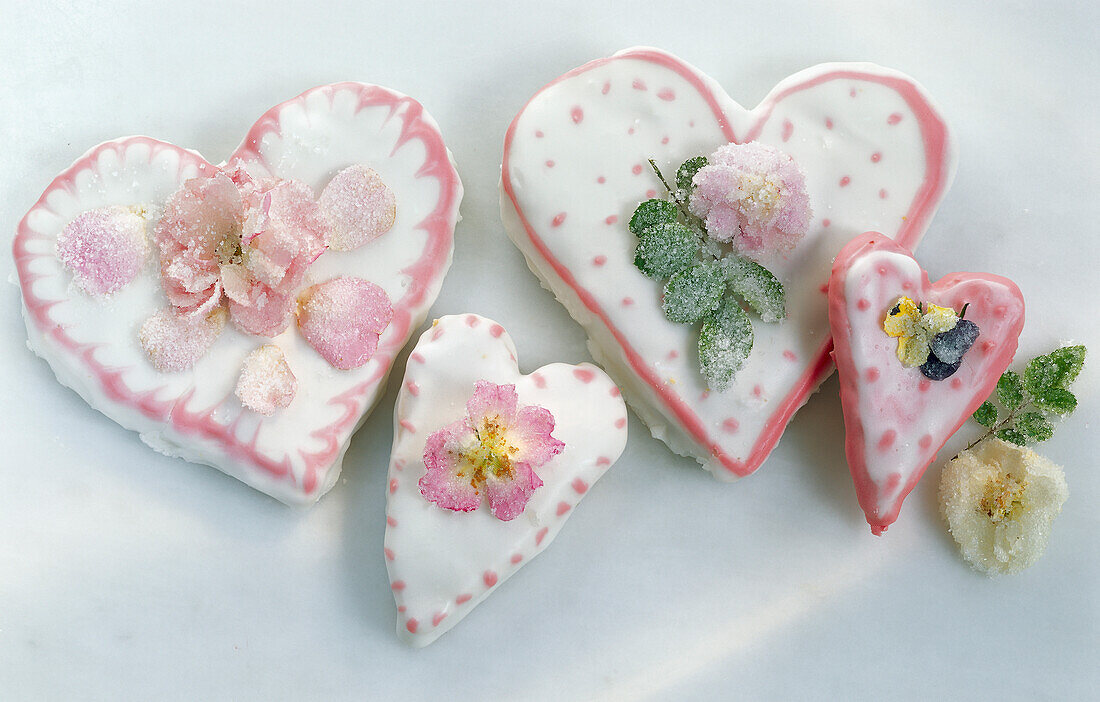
{"x": 266, "y": 383}
{"x": 508, "y": 498}
{"x": 174, "y": 341}
{"x": 199, "y": 228}
{"x": 492, "y": 402}
{"x": 264, "y": 313}
{"x": 342, "y": 319}
{"x": 531, "y": 434}
{"x": 104, "y": 249}
{"x": 359, "y": 206}
{"x": 285, "y": 233}
{"x": 448, "y": 482}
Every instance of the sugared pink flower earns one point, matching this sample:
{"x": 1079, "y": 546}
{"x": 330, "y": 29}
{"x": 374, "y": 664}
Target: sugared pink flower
{"x": 752, "y": 196}
{"x": 104, "y": 249}
{"x": 266, "y": 383}
{"x": 342, "y": 319}
{"x": 492, "y": 453}
{"x": 249, "y": 241}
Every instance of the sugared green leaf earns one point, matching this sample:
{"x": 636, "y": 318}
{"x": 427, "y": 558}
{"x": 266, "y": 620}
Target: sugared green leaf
{"x": 1012, "y": 436}
{"x": 686, "y": 172}
{"x": 693, "y": 292}
{"x": 1035, "y": 426}
{"x": 1054, "y": 370}
{"x": 1070, "y": 361}
{"x": 756, "y": 285}
{"x": 725, "y": 341}
{"x": 664, "y": 249}
{"x": 1010, "y": 390}
{"x": 986, "y": 415}
{"x": 650, "y": 214}
{"x": 1057, "y": 400}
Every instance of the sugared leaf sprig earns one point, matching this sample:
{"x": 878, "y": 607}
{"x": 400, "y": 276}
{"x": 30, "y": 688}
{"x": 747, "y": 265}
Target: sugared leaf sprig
{"x": 703, "y": 282}
{"x": 1026, "y": 404}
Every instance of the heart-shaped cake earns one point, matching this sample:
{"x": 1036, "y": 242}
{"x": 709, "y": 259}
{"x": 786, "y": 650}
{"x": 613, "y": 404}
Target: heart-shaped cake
{"x": 862, "y": 148}
{"x": 245, "y": 315}
{"x": 915, "y": 360}
{"x": 487, "y": 465}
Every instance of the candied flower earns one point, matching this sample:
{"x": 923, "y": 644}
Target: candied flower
{"x": 915, "y": 328}
{"x": 494, "y": 450}
{"x": 1000, "y": 501}
{"x": 249, "y": 241}
{"x": 342, "y": 319}
{"x": 359, "y": 207}
{"x": 266, "y": 383}
{"x": 174, "y": 341}
{"x": 104, "y": 248}
{"x": 752, "y": 196}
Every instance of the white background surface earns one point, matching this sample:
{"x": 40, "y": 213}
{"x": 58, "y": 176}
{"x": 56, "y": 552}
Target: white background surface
{"x": 128, "y": 575}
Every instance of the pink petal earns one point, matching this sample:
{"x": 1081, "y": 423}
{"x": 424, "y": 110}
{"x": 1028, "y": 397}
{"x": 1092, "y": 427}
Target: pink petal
{"x": 104, "y": 249}
{"x": 266, "y": 313}
{"x": 531, "y": 433}
{"x": 359, "y": 207}
{"x": 288, "y": 227}
{"x": 492, "y": 401}
{"x": 174, "y": 341}
{"x": 197, "y": 219}
{"x": 343, "y": 318}
{"x": 442, "y": 484}
{"x": 508, "y": 498}
{"x": 266, "y": 383}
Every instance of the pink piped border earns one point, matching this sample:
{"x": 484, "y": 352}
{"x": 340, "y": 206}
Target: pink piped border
{"x": 866, "y": 490}
{"x": 937, "y": 175}
{"x": 432, "y": 264}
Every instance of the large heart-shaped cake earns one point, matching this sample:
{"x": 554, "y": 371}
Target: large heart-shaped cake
{"x": 874, "y": 152}
{"x": 246, "y": 315}
{"x": 915, "y": 359}
{"x": 487, "y": 465}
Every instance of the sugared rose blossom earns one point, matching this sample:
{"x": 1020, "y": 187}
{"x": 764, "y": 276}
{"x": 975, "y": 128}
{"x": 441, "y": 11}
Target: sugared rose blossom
{"x": 249, "y": 241}
{"x": 1000, "y": 501}
{"x": 491, "y": 453}
{"x": 753, "y": 197}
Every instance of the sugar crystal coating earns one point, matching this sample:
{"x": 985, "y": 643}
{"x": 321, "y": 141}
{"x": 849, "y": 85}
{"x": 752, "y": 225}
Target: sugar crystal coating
{"x": 174, "y": 341}
{"x": 342, "y": 319}
{"x": 104, "y": 249}
{"x": 1000, "y": 501}
{"x": 359, "y": 207}
{"x": 266, "y": 383}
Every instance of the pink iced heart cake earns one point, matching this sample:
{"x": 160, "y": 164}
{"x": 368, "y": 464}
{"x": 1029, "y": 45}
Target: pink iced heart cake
{"x": 831, "y": 152}
{"x": 245, "y": 315}
{"x": 915, "y": 360}
{"x": 487, "y": 465}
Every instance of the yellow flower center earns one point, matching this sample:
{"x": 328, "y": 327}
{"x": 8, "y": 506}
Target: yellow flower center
{"x": 492, "y": 455}
{"x": 1003, "y": 496}
{"x": 759, "y": 195}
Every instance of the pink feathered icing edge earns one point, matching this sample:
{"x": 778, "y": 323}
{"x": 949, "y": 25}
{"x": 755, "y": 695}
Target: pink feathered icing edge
{"x": 440, "y": 228}
{"x": 866, "y": 491}
{"x": 934, "y": 133}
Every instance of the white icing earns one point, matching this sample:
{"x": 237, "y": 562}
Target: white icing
{"x": 315, "y": 139}
{"x": 434, "y": 555}
{"x": 601, "y": 144}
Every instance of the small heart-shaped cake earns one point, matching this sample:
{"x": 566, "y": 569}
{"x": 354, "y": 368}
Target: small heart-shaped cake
{"x": 487, "y": 465}
{"x": 915, "y": 360}
{"x": 831, "y": 152}
{"x": 245, "y": 315}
